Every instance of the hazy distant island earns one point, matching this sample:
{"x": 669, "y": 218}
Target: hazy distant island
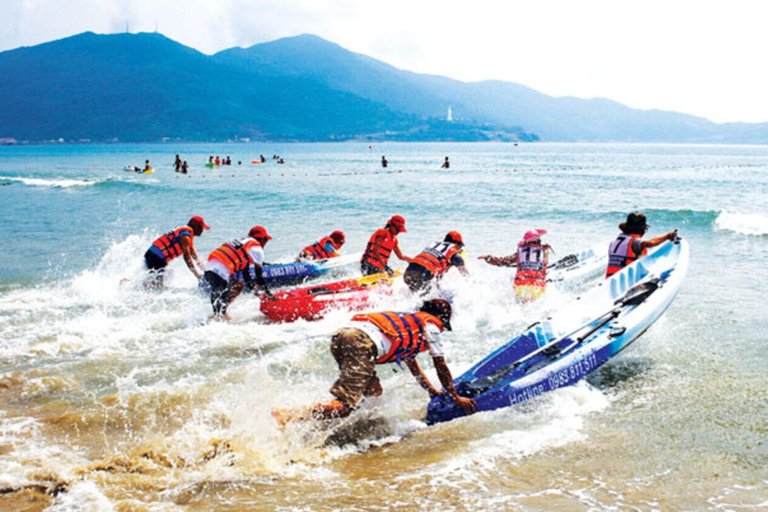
{"x": 146, "y": 88}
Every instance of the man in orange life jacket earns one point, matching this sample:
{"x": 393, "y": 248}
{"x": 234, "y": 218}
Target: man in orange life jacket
{"x": 629, "y": 245}
{"x": 379, "y": 338}
{"x": 380, "y": 246}
{"x": 234, "y": 266}
{"x": 326, "y": 247}
{"x": 531, "y": 260}
{"x": 434, "y": 261}
{"x": 171, "y": 245}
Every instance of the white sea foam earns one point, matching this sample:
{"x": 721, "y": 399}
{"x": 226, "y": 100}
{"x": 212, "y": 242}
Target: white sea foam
{"x": 57, "y": 182}
{"x": 754, "y": 224}
{"x": 83, "y": 496}
{"x": 512, "y": 434}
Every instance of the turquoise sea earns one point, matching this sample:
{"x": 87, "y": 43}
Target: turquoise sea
{"x": 115, "y": 398}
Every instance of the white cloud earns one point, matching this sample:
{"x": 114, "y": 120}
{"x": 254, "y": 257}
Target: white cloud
{"x": 697, "y": 57}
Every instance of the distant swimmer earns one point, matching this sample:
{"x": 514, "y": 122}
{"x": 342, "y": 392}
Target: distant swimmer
{"x": 171, "y": 245}
{"x": 177, "y": 163}
{"x": 235, "y": 266}
{"x": 531, "y": 260}
{"x": 629, "y": 245}
{"x": 147, "y": 167}
{"x": 435, "y": 260}
{"x": 372, "y": 339}
{"x": 384, "y": 161}
{"x": 262, "y": 159}
{"x": 228, "y": 161}
{"x": 184, "y": 167}
{"x": 280, "y": 160}
{"x": 326, "y": 247}
{"x": 446, "y": 164}
{"x": 383, "y": 241}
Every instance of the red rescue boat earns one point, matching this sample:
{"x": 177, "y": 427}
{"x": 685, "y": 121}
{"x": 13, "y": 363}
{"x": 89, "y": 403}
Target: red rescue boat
{"x": 312, "y": 302}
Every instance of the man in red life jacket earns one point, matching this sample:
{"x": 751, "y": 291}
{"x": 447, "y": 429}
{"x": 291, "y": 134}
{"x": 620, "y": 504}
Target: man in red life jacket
{"x": 434, "y": 261}
{"x": 629, "y": 245}
{"x": 380, "y": 246}
{"x": 380, "y": 338}
{"x": 235, "y": 266}
{"x": 326, "y": 247}
{"x": 531, "y": 260}
{"x": 171, "y": 245}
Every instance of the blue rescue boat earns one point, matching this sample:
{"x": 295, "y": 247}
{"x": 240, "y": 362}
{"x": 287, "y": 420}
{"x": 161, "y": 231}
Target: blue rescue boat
{"x": 576, "y": 340}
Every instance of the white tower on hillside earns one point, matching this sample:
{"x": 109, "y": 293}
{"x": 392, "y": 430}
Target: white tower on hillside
{"x": 449, "y": 118}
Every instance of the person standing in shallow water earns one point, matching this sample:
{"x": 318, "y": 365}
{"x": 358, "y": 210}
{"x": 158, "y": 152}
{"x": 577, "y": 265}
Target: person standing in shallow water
{"x": 177, "y": 163}
{"x": 184, "y": 167}
{"x": 384, "y": 161}
{"x": 446, "y": 164}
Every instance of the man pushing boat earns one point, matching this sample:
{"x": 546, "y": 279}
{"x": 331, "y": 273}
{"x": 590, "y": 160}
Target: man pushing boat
{"x": 381, "y": 338}
{"x": 383, "y": 241}
{"x": 171, "y": 245}
{"x": 435, "y": 260}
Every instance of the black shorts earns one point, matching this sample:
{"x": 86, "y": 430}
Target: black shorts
{"x": 368, "y": 270}
{"x": 417, "y": 278}
{"x": 154, "y": 262}
{"x": 220, "y": 292}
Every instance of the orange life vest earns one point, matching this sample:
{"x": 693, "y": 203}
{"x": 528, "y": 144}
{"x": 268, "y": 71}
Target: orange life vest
{"x": 437, "y": 257}
{"x": 621, "y": 254}
{"x": 386, "y": 249}
{"x": 318, "y": 251}
{"x": 531, "y": 269}
{"x": 168, "y": 246}
{"x": 406, "y": 331}
{"x": 234, "y": 255}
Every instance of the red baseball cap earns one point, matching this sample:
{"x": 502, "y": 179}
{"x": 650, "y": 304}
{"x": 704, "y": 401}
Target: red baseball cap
{"x": 198, "y": 222}
{"x": 454, "y": 236}
{"x": 399, "y": 222}
{"x": 259, "y": 232}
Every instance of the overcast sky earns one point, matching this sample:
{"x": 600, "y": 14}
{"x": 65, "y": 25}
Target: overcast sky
{"x": 700, "y": 57}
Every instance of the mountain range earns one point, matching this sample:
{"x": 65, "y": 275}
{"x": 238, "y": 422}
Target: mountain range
{"x": 146, "y": 87}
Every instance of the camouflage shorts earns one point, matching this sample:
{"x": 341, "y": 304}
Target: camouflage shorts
{"x": 355, "y": 353}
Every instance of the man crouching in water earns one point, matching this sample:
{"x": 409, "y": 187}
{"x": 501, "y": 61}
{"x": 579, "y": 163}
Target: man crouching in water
{"x": 380, "y": 338}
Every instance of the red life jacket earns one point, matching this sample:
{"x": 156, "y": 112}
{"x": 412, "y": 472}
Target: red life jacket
{"x": 386, "y": 249}
{"x": 168, "y": 246}
{"x": 437, "y": 257}
{"x": 621, "y": 254}
{"x": 531, "y": 269}
{"x": 234, "y": 255}
{"x": 406, "y": 331}
{"x": 317, "y": 250}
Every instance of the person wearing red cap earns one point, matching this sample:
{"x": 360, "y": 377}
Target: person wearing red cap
{"x": 379, "y": 338}
{"x": 629, "y": 245}
{"x": 531, "y": 260}
{"x": 171, "y": 245}
{"x": 326, "y": 247}
{"x": 380, "y": 246}
{"x": 434, "y": 261}
{"x": 235, "y": 266}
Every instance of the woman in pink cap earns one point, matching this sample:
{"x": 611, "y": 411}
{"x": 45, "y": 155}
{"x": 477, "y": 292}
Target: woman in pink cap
{"x": 531, "y": 260}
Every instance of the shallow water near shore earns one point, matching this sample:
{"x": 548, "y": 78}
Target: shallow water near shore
{"x": 116, "y": 398}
